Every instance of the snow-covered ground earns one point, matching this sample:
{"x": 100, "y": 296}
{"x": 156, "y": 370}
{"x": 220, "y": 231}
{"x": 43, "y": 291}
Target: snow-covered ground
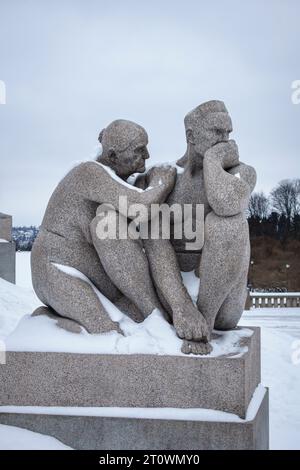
{"x": 23, "y": 270}
{"x": 280, "y": 329}
{"x": 280, "y": 333}
{"x": 13, "y": 438}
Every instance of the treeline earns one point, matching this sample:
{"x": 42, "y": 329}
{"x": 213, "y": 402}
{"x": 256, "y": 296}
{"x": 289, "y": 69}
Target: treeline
{"x": 24, "y": 237}
{"x": 277, "y": 215}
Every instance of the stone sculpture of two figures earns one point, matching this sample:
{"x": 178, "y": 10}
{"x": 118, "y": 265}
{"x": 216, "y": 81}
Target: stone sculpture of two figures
{"x": 140, "y": 273}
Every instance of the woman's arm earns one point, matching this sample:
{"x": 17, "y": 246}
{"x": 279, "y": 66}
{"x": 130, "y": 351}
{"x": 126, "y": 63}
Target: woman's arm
{"x": 100, "y": 184}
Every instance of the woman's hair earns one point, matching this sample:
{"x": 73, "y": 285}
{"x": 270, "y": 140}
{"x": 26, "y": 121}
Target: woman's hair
{"x": 119, "y": 134}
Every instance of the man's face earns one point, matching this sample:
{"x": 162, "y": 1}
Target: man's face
{"x": 132, "y": 160}
{"x": 213, "y": 129}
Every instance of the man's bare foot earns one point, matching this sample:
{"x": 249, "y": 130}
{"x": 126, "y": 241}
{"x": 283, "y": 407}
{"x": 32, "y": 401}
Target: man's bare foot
{"x": 193, "y": 347}
{"x": 190, "y": 324}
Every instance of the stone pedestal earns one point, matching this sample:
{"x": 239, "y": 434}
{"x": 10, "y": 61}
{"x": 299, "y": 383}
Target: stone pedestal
{"x": 5, "y": 227}
{"x": 138, "y": 385}
{"x": 203, "y": 431}
{"x": 7, "y": 249}
{"x": 222, "y": 383}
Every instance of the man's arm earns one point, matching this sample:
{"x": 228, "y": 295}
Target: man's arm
{"x": 246, "y": 173}
{"x": 227, "y": 191}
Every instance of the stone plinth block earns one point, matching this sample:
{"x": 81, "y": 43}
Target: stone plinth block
{"x": 8, "y": 261}
{"x": 224, "y": 383}
{"x": 99, "y": 429}
{"x": 5, "y": 227}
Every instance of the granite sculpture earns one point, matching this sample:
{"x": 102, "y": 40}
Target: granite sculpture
{"x": 214, "y": 177}
{"x": 66, "y": 239}
{"x": 141, "y": 275}
{"x": 133, "y": 287}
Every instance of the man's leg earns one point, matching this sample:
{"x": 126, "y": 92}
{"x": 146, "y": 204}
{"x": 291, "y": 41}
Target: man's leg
{"x": 126, "y": 264}
{"x": 224, "y": 258}
{"x": 188, "y": 321}
{"x": 233, "y": 306}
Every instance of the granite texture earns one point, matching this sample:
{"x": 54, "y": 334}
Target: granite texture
{"x": 214, "y": 176}
{"x": 103, "y": 433}
{"x": 64, "y": 379}
{"x": 67, "y": 235}
{"x": 144, "y": 274}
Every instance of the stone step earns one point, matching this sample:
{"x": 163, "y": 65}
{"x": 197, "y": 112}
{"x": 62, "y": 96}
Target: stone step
{"x": 148, "y": 429}
{"x": 224, "y": 383}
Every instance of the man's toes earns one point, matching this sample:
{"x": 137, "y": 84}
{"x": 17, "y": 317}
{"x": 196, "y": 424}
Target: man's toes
{"x": 192, "y": 347}
{"x": 179, "y": 332}
{"x": 205, "y": 348}
{"x": 208, "y": 348}
{"x": 186, "y": 347}
{"x": 201, "y": 348}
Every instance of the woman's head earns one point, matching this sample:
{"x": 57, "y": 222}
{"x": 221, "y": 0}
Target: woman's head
{"x": 124, "y": 145}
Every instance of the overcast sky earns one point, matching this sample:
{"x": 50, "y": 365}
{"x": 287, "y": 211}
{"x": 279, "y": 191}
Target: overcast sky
{"x": 71, "y": 67}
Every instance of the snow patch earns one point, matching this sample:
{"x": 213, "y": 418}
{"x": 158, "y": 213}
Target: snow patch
{"x": 192, "y": 283}
{"x": 115, "y": 177}
{"x": 280, "y": 330}
{"x": 180, "y": 414}
{"x": 15, "y": 302}
{"x": 13, "y": 438}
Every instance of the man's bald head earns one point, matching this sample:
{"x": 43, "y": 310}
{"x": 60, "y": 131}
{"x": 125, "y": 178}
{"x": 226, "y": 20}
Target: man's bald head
{"x": 207, "y": 125}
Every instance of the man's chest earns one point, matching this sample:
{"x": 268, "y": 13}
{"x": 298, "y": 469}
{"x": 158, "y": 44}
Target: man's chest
{"x": 189, "y": 190}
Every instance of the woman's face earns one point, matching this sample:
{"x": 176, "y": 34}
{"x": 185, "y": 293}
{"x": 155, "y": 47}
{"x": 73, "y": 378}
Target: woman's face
{"x": 132, "y": 160}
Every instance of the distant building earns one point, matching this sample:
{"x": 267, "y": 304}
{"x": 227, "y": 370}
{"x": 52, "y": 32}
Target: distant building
{"x": 7, "y": 249}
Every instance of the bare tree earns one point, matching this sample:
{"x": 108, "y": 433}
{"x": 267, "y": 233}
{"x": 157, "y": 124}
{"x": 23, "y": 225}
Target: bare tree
{"x": 259, "y": 206}
{"x": 297, "y": 190}
{"x": 285, "y": 198}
